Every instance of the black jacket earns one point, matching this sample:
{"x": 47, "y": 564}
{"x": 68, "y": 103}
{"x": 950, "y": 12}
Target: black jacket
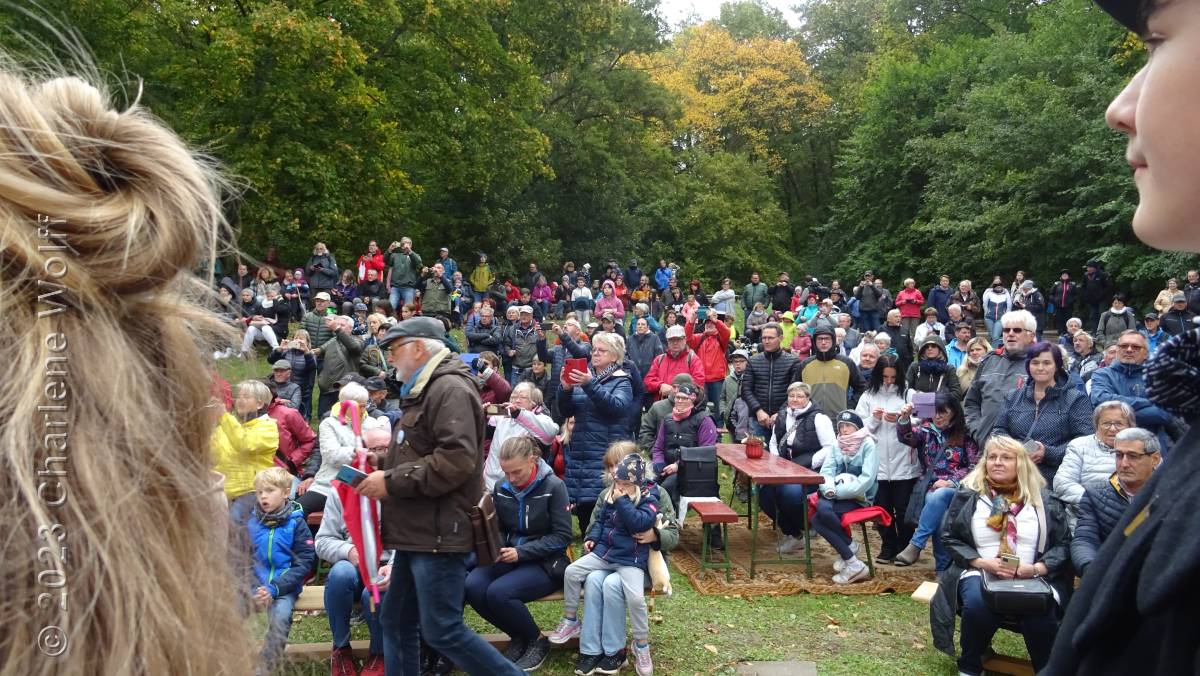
{"x": 1097, "y": 288}
{"x": 1137, "y": 609}
{"x": 901, "y": 344}
{"x": 480, "y": 337}
{"x": 764, "y": 387}
{"x": 1175, "y": 322}
{"x": 960, "y": 543}
{"x": 781, "y": 297}
{"x": 536, "y": 521}
{"x": 1063, "y": 295}
{"x": 1100, "y": 509}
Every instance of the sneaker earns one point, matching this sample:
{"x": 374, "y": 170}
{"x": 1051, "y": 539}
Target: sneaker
{"x": 790, "y": 545}
{"x": 886, "y": 556}
{"x": 840, "y": 565}
{"x": 341, "y": 663}
{"x": 641, "y": 660}
{"x": 535, "y": 655}
{"x": 565, "y": 631}
{"x": 855, "y": 571}
{"x": 611, "y": 664}
{"x": 908, "y": 557}
{"x": 516, "y": 648}
{"x": 373, "y": 666}
{"x": 586, "y": 664}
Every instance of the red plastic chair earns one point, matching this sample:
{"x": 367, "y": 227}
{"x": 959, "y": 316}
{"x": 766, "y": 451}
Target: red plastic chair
{"x": 861, "y": 516}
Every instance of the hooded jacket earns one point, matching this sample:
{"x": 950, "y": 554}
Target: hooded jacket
{"x": 283, "y": 549}
{"x": 242, "y": 450}
{"x": 434, "y": 466}
{"x": 1063, "y": 414}
{"x": 664, "y": 368}
{"x": 711, "y": 350}
{"x": 535, "y": 520}
{"x": 835, "y": 380}
{"x": 863, "y": 466}
{"x": 618, "y": 521}
{"x": 995, "y": 304}
{"x": 927, "y": 376}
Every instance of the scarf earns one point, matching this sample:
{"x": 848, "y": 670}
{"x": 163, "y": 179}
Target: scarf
{"x": 277, "y": 518}
{"x": 680, "y": 416}
{"x": 1173, "y": 375}
{"x": 1005, "y": 508}
{"x": 608, "y": 371}
{"x": 850, "y": 443}
{"x": 933, "y": 366}
{"x": 1121, "y": 311}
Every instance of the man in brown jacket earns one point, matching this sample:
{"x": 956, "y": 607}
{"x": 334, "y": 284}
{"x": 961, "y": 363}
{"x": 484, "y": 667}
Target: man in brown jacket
{"x": 432, "y": 476}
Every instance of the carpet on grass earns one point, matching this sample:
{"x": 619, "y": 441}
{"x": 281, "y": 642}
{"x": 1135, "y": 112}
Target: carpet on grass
{"x": 775, "y": 579}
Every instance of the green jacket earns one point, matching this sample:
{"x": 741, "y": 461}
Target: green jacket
{"x": 754, "y": 293}
{"x": 405, "y": 268}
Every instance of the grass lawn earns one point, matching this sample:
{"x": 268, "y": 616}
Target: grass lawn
{"x": 695, "y": 634}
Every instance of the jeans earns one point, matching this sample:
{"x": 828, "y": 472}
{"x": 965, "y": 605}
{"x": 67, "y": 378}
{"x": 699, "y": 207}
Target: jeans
{"x": 397, "y": 293}
{"x": 783, "y": 503}
{"x": 279, "y": 623}
{"x": 479, "y": 296}
{"x": 425, "y": 599}
{"x": 994, "y": 329}
{"x": 979, "y": 625}
{"x": 828, "y": 524}
{"x": 306, "y": 391}
{"x": 937, "y": 502}
{"x": 325, "y": 402}
{"x": 545, "y": 306}
{"x": 342, "y": 587}
{"x": 909, "y": 325}
{"x": 713, "y": 392}
{"x": 603, "y": 614}
{"x": 631, "y": 578}
{"x": 868, "y": 320}
{"x": 500, "y": 591}
{"x": 514, "y": 374}
{"x": 894, "y": 496}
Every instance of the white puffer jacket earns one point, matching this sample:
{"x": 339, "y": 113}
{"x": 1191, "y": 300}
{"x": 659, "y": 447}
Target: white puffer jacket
{"x": 1086, "y": 460}
{"x": 897, "y": 461}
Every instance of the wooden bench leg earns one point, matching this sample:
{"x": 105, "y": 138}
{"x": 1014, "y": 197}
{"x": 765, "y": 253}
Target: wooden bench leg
{"x": 728, "y": 565}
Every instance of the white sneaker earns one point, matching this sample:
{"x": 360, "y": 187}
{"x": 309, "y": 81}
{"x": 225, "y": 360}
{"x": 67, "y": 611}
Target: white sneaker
{"x": 790, "y": 545}
{"x": 840, "y": 565}
{"x": 855, "y": 571}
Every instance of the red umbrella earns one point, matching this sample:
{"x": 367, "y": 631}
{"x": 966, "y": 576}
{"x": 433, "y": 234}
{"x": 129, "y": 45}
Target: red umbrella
{"x": 360, "y": 513}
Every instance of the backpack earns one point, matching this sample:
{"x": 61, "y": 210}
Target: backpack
{"x": 698, "y": 472}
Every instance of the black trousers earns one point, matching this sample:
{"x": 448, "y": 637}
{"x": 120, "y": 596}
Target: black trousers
{"x": 894, "y": 496}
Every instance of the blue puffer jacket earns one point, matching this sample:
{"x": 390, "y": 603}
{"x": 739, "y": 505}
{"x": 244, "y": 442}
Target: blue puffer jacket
{"x": 283, "y": 553}
{"x": 613, "y": 529}
{"x": 1127, "y": 383}
{"x": 581, "y": 349}
{"x": 1102, "y": 506}
{"x": 1062, "y": 415}
{"x": 602, "y": 410}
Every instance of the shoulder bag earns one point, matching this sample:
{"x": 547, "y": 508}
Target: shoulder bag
{"x": 486, "y": 530}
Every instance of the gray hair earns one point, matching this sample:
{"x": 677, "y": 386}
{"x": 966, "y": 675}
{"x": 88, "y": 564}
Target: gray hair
{"x": 883, "y": 336}
{"x": 643, "y": 307}
{"x": 1125, "y": 409}
{"x": 868, "y": 346}
{"x": 1024, "y": 318}
{"x": 256, "y": 389}
{"x": 955, "y": 306}
{"x": 535, "y": 394}
{"x": 1086, "y": 336}
{"x": 612, "y": 341}
{"x": 432, "y": 345}
{"x": 1076, "y": 321}
{"x": 354, "y": 392}
{"x": 1149, "y": 439}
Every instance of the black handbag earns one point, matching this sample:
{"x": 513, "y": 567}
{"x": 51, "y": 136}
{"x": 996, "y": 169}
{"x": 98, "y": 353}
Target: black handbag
{"x": 698, "y": 472}
{"x": 1026, "y": 596}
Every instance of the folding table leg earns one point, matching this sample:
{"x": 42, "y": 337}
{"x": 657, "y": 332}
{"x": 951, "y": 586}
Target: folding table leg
{"x": 753, "y": 527}
{"x": 725, "y": 539}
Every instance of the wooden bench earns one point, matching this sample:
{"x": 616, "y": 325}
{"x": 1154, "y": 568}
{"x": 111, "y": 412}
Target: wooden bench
{"x": 719, "y": 514}
{"x": 995, "y": 663}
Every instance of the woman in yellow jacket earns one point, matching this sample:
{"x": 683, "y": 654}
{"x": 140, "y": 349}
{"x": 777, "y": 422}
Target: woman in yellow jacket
{"x": 244, "y": 442}
{"x": 482, "y": 278}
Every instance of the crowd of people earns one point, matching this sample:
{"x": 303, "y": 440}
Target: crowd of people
{"x": 945, "y": 408}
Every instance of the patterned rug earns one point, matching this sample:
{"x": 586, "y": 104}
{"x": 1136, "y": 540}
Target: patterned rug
{"x": 785, "y": 579}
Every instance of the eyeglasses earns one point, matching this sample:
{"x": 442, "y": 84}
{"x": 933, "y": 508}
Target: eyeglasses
{"x": 1013, "y": 329}
{"x": 1113, "y": 425}
{"x": 1131, "y": 456}
{"x": 1127, "y": 346}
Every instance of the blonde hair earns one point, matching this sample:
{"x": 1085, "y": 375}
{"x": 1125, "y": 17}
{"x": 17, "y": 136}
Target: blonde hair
{"x": 520, "y": 447}
{"x": 273, "y": 477}
{"x": 257, "y": 389}
{"x": 1029, "y": 480}
{"x": 108, "y": 210}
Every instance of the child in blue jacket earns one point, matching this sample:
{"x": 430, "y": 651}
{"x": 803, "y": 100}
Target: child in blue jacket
{"x": 283, "y": 556}
{"x": 850, "y": 482}
{"x": 630, "y": 507}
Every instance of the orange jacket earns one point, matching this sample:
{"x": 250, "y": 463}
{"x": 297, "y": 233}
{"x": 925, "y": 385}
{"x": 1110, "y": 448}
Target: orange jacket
{"x": 711, "y": 350}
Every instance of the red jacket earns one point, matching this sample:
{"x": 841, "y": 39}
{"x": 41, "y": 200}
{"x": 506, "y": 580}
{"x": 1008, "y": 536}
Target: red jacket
{"x": 909, "y": 302}
{"x": 711, "y": 350}
{"x": 664, "y": 369}
{"x": 366, "y": 262}
{"x": 296, "y": 438}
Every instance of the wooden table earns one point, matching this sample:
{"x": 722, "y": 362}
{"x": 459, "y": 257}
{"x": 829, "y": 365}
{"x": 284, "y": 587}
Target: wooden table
{"x": 769, "y": 470}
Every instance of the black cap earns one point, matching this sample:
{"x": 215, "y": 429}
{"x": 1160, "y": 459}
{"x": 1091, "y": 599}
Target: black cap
{"x": 823, "y": 331}
{"x": 850, "y": 418}
{"x": 350, "y": 378}
{"x": 415, "y": 327}
{"x": 1151, "y": 315}
{"x": 1124, "y": 11}
{"x": 376, "y": 384}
